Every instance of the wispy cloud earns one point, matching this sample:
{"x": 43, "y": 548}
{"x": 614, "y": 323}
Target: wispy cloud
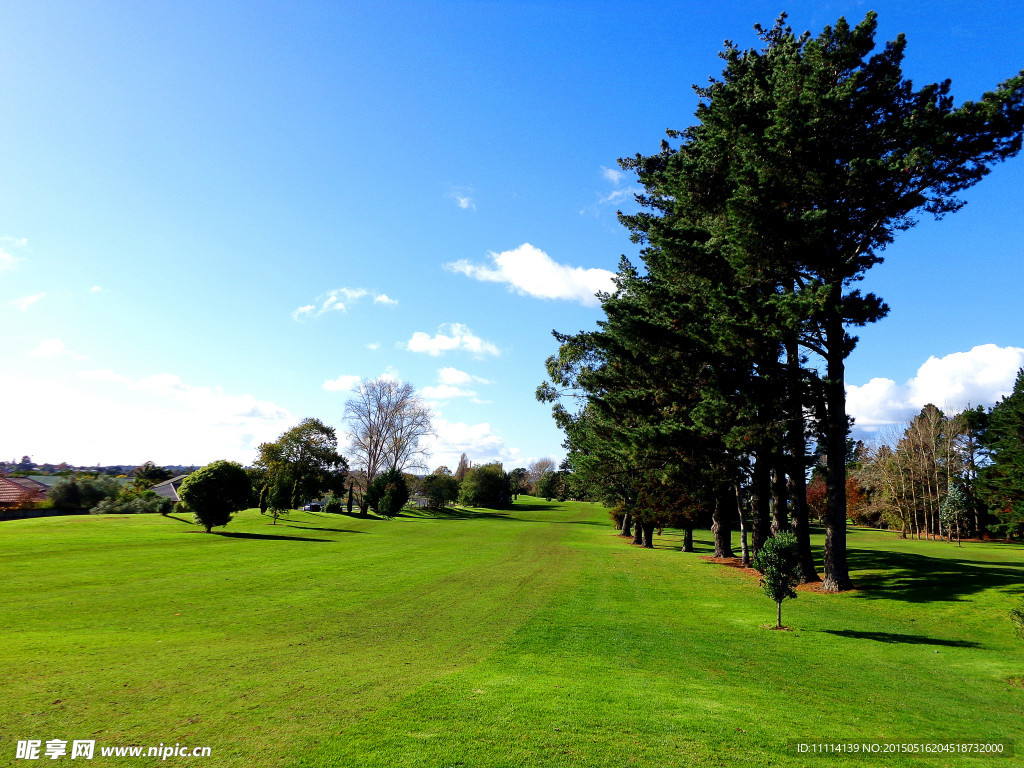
{"x": 463, "y": 197}
{"x": 451, "y": 337}
{"x": 374, "y": 345}
{"x": 980, "y": 376}
{"x": 95, "y": 289}
{"x": 339, "y": 300}
{"x": 613, "y": 175}
{"x": 7, "y": 261}
{"x": 27, "y": 301}
{"x": 459, "y": 378}
{"x": 529, "y": 271}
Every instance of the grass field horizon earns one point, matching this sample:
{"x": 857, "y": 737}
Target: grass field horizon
{"x": 533, "y": 636}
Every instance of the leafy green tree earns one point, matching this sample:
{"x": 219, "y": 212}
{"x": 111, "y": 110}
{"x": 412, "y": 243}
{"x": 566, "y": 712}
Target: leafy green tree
{"x": 306, "y": 459}
{"x": 215, "y": 492}
{"x": 519, "y": 479}
{"x": 549, "y": 485}
{"x": 1002, "y": 481}
{"x": 778, "y": 562}
{"x": 440, "y": 489}
{"x": 333, "y": 504}
{"x": 487, "y": 486}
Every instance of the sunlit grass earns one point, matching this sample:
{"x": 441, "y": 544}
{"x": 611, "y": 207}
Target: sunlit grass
{"x": 533, "y": 637}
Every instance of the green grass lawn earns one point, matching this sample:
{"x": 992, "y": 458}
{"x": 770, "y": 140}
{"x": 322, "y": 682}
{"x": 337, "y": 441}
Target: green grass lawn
{"x": 528, "y": 638}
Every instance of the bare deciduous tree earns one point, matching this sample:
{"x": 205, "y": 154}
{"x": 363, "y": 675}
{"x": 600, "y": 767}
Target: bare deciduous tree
{"x": 386, "y": 423}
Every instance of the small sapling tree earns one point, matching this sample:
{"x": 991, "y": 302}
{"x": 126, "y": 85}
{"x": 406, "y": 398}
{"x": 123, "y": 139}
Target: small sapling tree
{"x": 778, "y": 562}
{"x": 215, "y": 492}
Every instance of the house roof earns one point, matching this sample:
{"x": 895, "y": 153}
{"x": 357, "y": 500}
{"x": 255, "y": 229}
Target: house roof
{"x": 169, "y": 488}
{"x": 17, "y": 490}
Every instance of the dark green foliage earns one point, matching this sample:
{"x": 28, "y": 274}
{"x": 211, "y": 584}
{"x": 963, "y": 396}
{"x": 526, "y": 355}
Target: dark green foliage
{"x": 215, "y": 492}
{"x": 549, "y": 486}
{"x": 486, "y": 486}
{"x": 348, "y": 504}
{"x": 388, "y": 493}
{"x": 1002, "y": 481}
{"x": 83, "y": 492}
{"x": 778, "y": 562}
{"x": 153, "y": 474}
{"x": 132, "y": 501}
{"x": 440, "y": 489}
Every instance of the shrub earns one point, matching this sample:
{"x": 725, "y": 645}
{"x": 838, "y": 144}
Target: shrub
{"x": 332, "y": 504}
{"x": 215, "y": 492}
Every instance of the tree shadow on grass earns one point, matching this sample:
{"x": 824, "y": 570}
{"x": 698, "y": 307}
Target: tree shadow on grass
{"x": 453, "y": 513}
{"x": 262, "y": 536}
{"x": 327, "y": 530}
{"x": 917, "y": 578}
{"x": 891, "y": 637}
{"x": 181, "y": 519}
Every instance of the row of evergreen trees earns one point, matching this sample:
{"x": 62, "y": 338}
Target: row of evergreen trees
{"x": 719, "y": 359}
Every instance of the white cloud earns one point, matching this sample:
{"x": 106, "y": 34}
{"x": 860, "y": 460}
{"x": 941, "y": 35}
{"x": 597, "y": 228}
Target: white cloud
{"x": 27, "y": 301}
{"x": 103, "y": 374}
{"x": 531, "y": 272}
{"x": 54, "y": 348}
{"x": 478, "y": 441}
{"x": 458, "y": 378}
{"x": 465, "y": 203}
{"x": 105, "y": 417}
{"x": 374, "y": 345}
{"x": 343, "y": 383}
{"x": 95, "y": 289}
{"x": 451, "y": 336}
{"x": 979, "y": 377}
{"x": 339, "y": 300}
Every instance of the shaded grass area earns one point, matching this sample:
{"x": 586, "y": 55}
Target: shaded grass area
{"x": 465, "y": 637}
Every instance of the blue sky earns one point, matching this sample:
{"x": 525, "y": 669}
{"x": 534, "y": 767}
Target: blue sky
{"x": 214, "y": 216}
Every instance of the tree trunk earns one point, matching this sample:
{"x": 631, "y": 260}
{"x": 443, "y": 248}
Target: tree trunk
{"x": 837, "y": 571}
{"x": 744, "y": 550}
{"x": 688, "y": 539}
{"x": 778, "y": 615}
{"x": 648, "y": 529}
{"x": 797, "y": 466}
{"x": 720, "y": 528}
{"x": 780, "y": 511}
{"x": 627, "y": 524}
{"x": 638, "y": 533}
{"x": 759, "y": 503}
